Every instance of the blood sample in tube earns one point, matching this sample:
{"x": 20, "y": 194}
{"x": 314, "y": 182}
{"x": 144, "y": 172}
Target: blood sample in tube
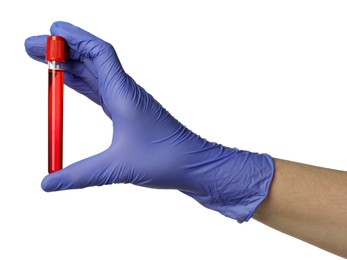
{"x": 55, "y": 56}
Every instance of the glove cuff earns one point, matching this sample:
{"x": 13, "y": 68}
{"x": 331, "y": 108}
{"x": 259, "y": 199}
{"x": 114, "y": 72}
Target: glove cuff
{"x": 239, "y": 185}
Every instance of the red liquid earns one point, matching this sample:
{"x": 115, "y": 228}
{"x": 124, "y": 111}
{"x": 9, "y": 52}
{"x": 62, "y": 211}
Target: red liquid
{"x": 55, "y": 119}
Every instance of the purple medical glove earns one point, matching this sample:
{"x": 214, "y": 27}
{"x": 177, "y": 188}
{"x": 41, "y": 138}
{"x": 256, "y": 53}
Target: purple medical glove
{"x": 150, "y": 147}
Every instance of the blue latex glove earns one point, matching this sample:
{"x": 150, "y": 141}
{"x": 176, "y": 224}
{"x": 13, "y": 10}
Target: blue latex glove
{"x": 150, "y": 147}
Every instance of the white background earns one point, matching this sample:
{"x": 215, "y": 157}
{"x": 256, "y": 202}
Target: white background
{"x": 266, "y": 76}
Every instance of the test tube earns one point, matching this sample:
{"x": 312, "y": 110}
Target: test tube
{"x": 55, "y": 57}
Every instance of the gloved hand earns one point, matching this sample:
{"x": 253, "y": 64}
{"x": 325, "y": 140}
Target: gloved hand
{"x": 150, "y": 147}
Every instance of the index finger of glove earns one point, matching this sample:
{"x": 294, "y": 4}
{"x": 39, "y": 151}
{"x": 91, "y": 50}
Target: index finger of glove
{"x": 85, "y": 44}
{"x": 35, "y": 47}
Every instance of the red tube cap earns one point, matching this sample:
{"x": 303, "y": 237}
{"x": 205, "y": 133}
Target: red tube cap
{"x": 55, "y": 49}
